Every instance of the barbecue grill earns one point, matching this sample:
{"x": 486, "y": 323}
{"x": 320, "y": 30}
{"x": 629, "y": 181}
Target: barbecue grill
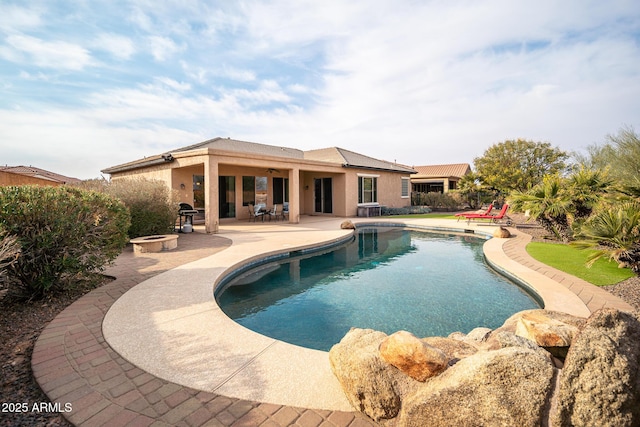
{"x": 186, "y": 214}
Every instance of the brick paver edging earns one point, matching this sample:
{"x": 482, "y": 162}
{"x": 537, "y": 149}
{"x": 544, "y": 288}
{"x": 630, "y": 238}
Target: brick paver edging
{"x": 88, "y": 380}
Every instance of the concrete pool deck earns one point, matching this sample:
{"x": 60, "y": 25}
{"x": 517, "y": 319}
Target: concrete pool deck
{"x": 162, "y": 352}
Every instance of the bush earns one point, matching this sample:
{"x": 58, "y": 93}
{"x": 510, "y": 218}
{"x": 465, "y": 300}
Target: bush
{"x": 9, "y": 252}
{"x": 408, "y": 210}
{"x": 436, "y": 200}
{"x": 63, "y": 233}
{"x": 152, "y": 205}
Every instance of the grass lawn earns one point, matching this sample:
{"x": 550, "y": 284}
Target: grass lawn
{"x": 429, "y": 215}
{"x": 571, "y": 260}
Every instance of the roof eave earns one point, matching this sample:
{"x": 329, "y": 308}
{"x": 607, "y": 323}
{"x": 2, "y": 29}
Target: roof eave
{"x": 346, "y": 165}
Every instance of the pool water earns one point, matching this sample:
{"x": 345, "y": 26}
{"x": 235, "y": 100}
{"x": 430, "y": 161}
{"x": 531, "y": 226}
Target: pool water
{"x": 387, "y": 279}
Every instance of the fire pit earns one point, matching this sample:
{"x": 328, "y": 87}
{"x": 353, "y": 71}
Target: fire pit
{"x": 154, "y": 243}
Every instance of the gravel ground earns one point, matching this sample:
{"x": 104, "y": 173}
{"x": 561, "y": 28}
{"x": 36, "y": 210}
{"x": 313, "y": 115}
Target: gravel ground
{"x": 20, "y": 325}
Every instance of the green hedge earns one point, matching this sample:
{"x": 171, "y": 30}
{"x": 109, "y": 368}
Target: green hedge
{"x": 152, "y": 205}
{"x": 64, "y": 233}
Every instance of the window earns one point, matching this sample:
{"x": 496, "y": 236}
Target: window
{"x": 405, "y": 187}
{"x": 280, "y": 190}
{"x": 367, "y": 189}
{"x": 248, "y": 190}
{"x": 254, "y": 190}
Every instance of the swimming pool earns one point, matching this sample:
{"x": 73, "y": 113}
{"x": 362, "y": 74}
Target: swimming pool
{"x": 387, "y": 279}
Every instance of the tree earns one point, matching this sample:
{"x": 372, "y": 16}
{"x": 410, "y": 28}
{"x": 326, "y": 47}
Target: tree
{"x": 621, "y": 156}
{"x": 560, "y": 204}
{"x": 548, "y": 203}
{"x": 471, "y": 188}
{"x": 586, "y": 188}
{"x": 519, "y": 165}
{"x": 614, "y": 232}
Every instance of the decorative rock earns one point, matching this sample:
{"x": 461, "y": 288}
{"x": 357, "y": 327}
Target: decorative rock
{"x": 600, "y": 382}
{"x": 412, "y": 356}
{"x": 477, "y": 335}
{"x": 506, "y": 387}
{"x": 502, "y": 233}
{"x": 511, "y": 323}
{"x": 499, "y": 378}
{"x": 371, "y": 385}
{"x": 347, "y": 225}
{"x": 505, "y": 339}
{"x": 545, "y": 331}
{"x": 453, "y": 348}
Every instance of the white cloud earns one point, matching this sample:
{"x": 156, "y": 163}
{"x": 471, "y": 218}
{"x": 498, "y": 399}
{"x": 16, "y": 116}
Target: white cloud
{"x": 162, "y": 47}
{"x": 15, "y": 18}
{"x": 43, "y": 53}
{"x": 119, "y": 46}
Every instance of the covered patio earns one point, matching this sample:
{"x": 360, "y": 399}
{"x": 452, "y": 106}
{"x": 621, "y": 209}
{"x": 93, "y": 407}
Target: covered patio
{"x": 222, "y": 178}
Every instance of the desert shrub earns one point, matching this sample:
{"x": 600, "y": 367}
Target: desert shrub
{"x": 152, "y": 205}
{"x": 9, "y": 252}
{"x": 407, "y": 210}
{"x": 64, "y": 233}
{"x": 436, "y": 200}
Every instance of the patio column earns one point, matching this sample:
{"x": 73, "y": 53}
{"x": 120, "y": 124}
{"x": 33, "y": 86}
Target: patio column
{"x": 294, "y": 195}
{"x": 211, "y": 197}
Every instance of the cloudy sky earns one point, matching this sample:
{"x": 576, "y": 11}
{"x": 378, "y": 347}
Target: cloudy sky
{"x": 89, "y": 84}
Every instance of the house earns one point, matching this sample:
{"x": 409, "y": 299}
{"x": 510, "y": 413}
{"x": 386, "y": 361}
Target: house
{"x": 30, "y": 175}
{"x": 223, "y": 176}
{"x": 438, "y": 178}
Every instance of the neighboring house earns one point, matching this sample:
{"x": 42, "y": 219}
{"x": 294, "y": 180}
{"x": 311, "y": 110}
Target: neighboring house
{"x": 29, "y": 175}
{"x": 438, "y": 178}
{"x": 223, "y": 176}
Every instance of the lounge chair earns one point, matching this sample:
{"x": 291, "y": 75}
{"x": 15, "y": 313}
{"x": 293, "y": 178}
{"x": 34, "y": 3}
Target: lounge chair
{"x": 464, "y": 214}
{"x": 494, "y": 218}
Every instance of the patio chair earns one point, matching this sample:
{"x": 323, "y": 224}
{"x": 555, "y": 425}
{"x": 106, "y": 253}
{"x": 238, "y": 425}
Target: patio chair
{"x": 494, "y": 218}
{"x": 464, "y": 214}
{"x": 255, "y": 213}
{"x": 273, "y": 213}
{"x": 285, "y": 211}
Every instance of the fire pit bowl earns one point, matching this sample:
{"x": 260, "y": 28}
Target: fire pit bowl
{"x": 160, "y": 243}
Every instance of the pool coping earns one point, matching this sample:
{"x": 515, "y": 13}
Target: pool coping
{"x": 73, "y": 363}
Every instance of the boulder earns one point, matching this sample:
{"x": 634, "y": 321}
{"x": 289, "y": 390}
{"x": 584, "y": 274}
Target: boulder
{"x": 502, "y": 233}
{"x": 506, "y": 339}
{"x": 507, "y": 387}
{"x": 453, "y": 348}
{"x": 551, "y": 330}
{"x": 544, "y": 330}
{"x": 477, "y": 335}
{"x": 412, "y": 356}
{"x": 371, "y": 385}
{"x": 347, "y": 225}
{"x": 600, "y": 382}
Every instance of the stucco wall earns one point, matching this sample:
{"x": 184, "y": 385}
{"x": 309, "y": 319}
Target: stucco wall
{"x": 8, "y": 178}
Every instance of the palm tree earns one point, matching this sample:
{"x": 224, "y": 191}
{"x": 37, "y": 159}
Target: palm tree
{"x": 586, "y": 187}
{"x": 470, "y": 186}
{"x": 549, "y": 204}
{"x": 615, "y": 233}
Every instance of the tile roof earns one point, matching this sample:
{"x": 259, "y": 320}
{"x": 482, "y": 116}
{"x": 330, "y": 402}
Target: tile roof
{"x": 39, "y": 173}
{"x": 352, "y": 159}
{"x": 229, "y": 144}
{"x": 441, "y": 171}
{"x": 334, "y": 155}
